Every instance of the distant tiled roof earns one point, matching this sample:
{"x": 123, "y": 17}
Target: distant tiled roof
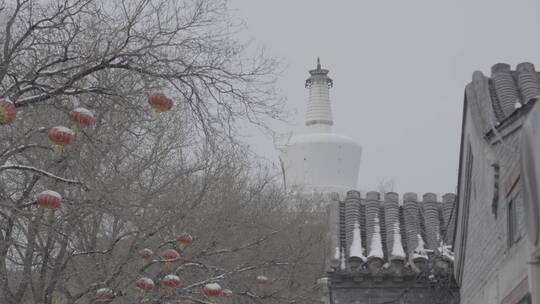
{"x": 381, "y": 235}
{"x": 497, "y": 97}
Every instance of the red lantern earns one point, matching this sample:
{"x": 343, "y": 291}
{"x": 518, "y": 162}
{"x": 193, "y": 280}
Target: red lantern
{"x": 82, "y": 118}
{"x": 160, "y": 103}
{"x": 8, "y": 112}
{"x": 104, "y": 293}
{"x": 212, "y": 291}
{"x": 261, "y": 280}
{"x": 184, "y": 240}
{"x": 170, "y": 256}
{"x": 61, "y": 137}
{"x": 170, "y": 281}
{"x": 145, "y": 254}
{"x": 49, "y": 200}
{"x": 144, "y": 285}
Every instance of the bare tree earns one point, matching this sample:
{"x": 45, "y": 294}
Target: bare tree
{"x": 56, "y": 49}
{"x": 130, "y": 181}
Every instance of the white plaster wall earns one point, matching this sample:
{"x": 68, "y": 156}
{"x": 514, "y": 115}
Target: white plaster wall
{"x": 322, "y": 161}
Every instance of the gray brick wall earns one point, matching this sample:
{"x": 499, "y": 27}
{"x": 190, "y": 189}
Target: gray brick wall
{"x": 381, "y": 293}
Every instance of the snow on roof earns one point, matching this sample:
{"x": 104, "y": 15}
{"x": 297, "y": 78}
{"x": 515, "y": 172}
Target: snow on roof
{"x": 375, "y": 248}
{"x": 343, "y": 264}
{"x": 405, "y": 233}
{"x": 356, "y": 249}
{"x": 397, "y": 248}
{"x": 446, "y": 251}
{"x": 421, "y": 251}
{"x": 337, "y": 254}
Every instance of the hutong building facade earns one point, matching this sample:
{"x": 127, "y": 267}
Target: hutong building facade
{"x": 493, "y": 260}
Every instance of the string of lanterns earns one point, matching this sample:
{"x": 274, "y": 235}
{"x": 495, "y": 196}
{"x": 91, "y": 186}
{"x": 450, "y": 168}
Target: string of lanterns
{"x": 51, "y": 200}
{"x": 144, "y": 285}
{"x": 62, "y": 137}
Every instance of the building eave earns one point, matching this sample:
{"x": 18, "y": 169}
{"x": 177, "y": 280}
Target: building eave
{"x": 457, "y": 205}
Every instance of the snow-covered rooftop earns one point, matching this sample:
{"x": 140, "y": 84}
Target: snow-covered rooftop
{"x": 406, "y": 231}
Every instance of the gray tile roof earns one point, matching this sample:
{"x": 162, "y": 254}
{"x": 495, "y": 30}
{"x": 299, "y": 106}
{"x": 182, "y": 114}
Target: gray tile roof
{"x": 410, "y": 234}
{"x": 498, "y": 96}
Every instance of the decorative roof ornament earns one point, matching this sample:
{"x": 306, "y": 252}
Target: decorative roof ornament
{"x": 319, "y": 74}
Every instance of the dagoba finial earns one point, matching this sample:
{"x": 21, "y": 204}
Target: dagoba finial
{"x": 319, "y": 74}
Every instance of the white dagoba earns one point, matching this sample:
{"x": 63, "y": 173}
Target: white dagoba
{"x": 320, "y": 161}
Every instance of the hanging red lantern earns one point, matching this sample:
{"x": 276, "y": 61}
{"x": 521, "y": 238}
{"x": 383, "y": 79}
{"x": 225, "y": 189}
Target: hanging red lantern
{"x": 261, "y": 280}
{"x": 82, "y": 118}
{"x": 212, "y": 291}
{"x": 170, "y": 256}
{"x": 144, "y": 285}
{"x": 171, "y": 281}
{"x": 104, "y": 293}
{"x": 8, "y": 112}
{"x": 145, "y": 255}
{"x": 160, "y": 103}
{"x": 184, "y": 240}
{"x": 61, "y": 137}
{"x": 49, "y": 200}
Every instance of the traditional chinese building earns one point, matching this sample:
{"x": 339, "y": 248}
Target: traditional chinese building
{"x": 382, "y": 250}
{"x": 493, "y": 260}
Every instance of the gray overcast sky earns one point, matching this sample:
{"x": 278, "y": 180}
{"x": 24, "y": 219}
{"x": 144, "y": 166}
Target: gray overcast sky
{"x": 399, "y": 70}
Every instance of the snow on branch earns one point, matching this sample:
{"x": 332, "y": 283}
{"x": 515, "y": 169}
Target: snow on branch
{"x": 42, "y": 172}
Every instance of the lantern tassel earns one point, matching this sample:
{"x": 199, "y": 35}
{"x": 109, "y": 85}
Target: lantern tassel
{"x": 4, "y": 115}
{"x": 48, "y": 212}
{"x": 76, "y": 130}
{"x": 143, "y": 262}
{"x": 181, "y": 246}
{"x": 141, "y": 292}
{"x": 262, "y": 289}
{"x": 157, "y": 113}
{"x": 168, "y": 291}
{"x": 212, "y": 299}
{"x": 58, "y": 150}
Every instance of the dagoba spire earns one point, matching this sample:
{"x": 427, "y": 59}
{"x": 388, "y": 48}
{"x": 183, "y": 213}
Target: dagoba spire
{"x": 319, "y": 109}
{"x": 319, "y": 160}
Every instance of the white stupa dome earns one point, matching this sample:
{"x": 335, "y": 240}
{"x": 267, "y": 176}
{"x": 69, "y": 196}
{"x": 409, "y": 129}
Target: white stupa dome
{"x": 319, "y": 160}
